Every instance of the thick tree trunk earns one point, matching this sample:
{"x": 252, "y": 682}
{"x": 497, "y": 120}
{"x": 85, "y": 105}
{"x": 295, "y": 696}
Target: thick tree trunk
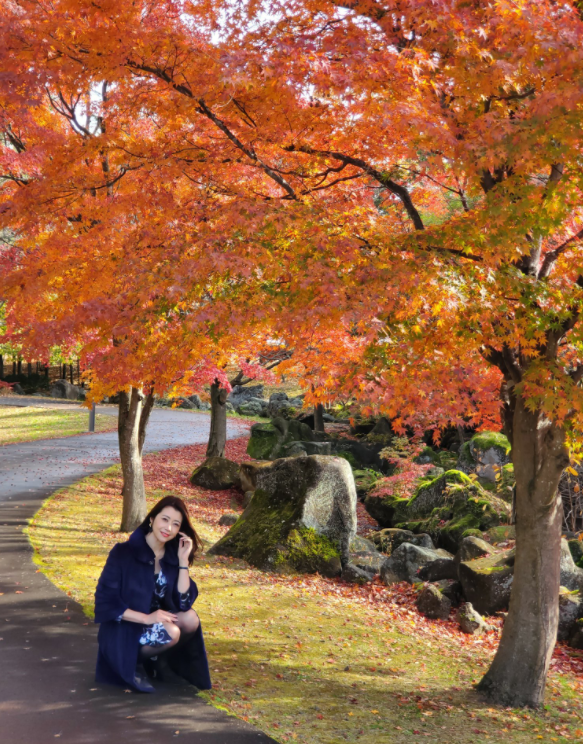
{"x": 134, "y": 412}
{"x": 218, "y": 432}
{"x": 518, "y": 673}
{"x": 319, "y": 418}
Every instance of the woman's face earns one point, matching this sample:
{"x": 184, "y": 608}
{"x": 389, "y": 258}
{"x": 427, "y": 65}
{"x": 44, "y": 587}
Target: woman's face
{"x": 166, "y": 524}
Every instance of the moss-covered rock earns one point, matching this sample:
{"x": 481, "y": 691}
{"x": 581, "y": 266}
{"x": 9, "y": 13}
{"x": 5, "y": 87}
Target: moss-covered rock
{"x": 263, "y": 440}
{"x": 485, "y": 454}
{"x": 302, "y": 516}
{"x": 389, "y": 539}
{"x": 268, "y": 441}
{"x": 448, "y": 508}
{"x": 216, "y": 474}
{"x": 487, "y": 581}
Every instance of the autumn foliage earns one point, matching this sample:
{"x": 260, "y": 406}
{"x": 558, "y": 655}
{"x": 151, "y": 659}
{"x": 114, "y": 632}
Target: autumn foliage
{"x": 391, "y": 187}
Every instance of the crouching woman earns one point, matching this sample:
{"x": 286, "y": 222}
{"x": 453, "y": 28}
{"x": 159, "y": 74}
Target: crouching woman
{"x": 143, "y": 602}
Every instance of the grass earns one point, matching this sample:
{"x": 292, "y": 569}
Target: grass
{"x": 19, "y": 424}
{"x": 308, "y": 659}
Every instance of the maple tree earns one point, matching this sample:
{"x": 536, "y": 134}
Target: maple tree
{"x": 399, "y": 175}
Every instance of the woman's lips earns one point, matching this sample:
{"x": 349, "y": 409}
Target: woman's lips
{"x": 165, "y": 534}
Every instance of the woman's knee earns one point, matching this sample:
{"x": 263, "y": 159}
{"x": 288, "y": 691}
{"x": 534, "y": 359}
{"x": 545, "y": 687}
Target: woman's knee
{"x": 188, "y": 621}
{"x": 174, "y": 632}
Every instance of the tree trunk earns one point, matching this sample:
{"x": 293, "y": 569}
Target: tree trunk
{"x": 134, "y": 412}
{"x": 218, "y": 432}
{"x": 319, "y": 418}
{"x": 518, "y": 673}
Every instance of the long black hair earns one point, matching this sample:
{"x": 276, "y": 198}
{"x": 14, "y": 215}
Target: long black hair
{"x": 186, "y": 527}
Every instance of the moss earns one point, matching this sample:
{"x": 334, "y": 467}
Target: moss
{"x": 354, "y": 464}
{"x": 258, "y": 532}
{"x": 308, "y": 552}
{"x": 486, "y": 439}
{"x": 264, "y": 439}
{"x": 461, "y": 507}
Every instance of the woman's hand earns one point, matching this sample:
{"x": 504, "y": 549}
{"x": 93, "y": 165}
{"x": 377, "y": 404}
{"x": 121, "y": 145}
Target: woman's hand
{"x": 184, "y": 548}
{"x": 161, "y": 616}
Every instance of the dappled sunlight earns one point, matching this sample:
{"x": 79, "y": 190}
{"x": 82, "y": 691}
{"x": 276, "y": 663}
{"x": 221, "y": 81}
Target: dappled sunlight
{"x": 304, "y": 658}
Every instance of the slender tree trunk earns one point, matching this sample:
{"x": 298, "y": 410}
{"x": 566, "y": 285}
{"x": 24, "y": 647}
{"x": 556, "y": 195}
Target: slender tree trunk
{"x": 518, "y": 673}
{"x": 1, "y": 367}
{"x": 319, "y": 418}
{"x": 134, "y": 412}
{"x": 218, "y": 432}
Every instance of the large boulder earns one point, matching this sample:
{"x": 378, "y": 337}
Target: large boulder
{"x": 485, "y": 454}
{"x": 448, "y": 508}
{"x": 216, "y": 474}
{"x": 302, "y": 516}
{"x": 433, "y": 604}
{"x": 268, "y": 441}
{"x": 64, "y": 389}
{"x": 487, "y": 581}
{"x": 405, "y": 562}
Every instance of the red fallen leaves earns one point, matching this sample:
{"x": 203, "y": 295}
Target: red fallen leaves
{"x": 170, "y": 470}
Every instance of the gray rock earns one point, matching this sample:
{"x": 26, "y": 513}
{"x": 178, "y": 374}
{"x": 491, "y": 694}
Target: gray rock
{"x": 570, "y": 610}
{"x": 247, "y": 496}
{"x": 251, "y": 407}
{"x": 389, "y": 539}
{"x": 228, "y": 519}
{"x": 470, "y": 621}
{"x": 275, "y": 407}
{"x": 217, "y": 474}
{"x": 64, "y": 389}
{"x": 487, "y": 581}
{"x": 267, "y": 441}
{"x": 188, "y": 405}
{"x": 308, "y": 448}
{"x": 442, "y": 568}
{"x": 196, "y": 399}
{"x": 277, "y": 397}
{"x": 365, "y": 556}
{"x": 242, "y": 393}
{"x": 405, "y": 562}
{"x": 356, "y": 575}
{"x": 328, "y": 418}
{"x": 473, "y": 547}
{"x": 228, "y": 405}
{"x": 433, "y": 604}
{"x": 19, "y": 390}
{"x": 302, "y": 516}
{"x": 571, "y": 575}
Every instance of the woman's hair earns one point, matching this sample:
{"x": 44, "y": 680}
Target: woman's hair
{"x": 186, "y": 527}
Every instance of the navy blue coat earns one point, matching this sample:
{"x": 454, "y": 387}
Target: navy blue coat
{"x": 127, "y": 582}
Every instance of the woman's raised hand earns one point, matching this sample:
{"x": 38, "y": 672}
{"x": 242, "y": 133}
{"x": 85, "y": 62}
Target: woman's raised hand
{"x": 161, "y": 616}
{"x": 184, "y": 548}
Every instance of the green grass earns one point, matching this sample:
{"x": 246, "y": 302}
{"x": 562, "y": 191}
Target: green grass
{"x": 307, "y": 659}
{"x": 26, "y": 424}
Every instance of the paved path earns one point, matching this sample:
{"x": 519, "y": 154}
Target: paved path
{"x": 48, "y": 647}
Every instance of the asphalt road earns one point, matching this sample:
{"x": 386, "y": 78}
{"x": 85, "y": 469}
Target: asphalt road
{"x": 47, "y": 645}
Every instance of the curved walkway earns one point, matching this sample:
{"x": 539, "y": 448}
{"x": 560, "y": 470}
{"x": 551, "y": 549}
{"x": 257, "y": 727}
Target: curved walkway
{"x": 47, "y": 645}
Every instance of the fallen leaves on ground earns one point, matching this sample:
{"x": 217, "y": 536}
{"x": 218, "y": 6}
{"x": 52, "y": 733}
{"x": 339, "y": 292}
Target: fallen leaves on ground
{"x": 305, "y": 658}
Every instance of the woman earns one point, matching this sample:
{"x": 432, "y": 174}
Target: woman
{"x": 143, "y": 601}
